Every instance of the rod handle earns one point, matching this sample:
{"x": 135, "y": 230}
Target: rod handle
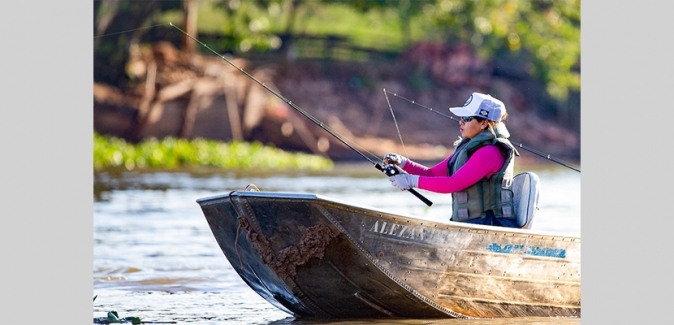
{"x": 421, "y": 197}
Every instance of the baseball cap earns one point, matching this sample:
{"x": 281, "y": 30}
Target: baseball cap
{"x": 481, "y": 105}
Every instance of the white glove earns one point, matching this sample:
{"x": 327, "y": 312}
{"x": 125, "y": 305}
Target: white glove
{"x": 395, "y": 159}
{"x": 404, "y": 181}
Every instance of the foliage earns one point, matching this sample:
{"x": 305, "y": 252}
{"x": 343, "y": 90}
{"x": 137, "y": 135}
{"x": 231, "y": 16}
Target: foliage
{"x": 545, "y": 33}
{"x": 542, "y": 35}
{"x": 112, "y": 51}
{"x": 548, "y": 32}
{"x": 172, "y": 153}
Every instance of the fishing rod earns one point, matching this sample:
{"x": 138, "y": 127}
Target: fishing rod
{"x": 536, "y": 152}
{"x": 389, "y": 170}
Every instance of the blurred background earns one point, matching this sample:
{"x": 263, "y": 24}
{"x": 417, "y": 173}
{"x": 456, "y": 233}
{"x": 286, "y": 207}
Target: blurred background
{"x": 341, "y": 61}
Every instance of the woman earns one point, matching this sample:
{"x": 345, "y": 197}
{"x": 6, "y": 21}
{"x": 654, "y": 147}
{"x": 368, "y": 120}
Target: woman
{"x": 480, "y": 171}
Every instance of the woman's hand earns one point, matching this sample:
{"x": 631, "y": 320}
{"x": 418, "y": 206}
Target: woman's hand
{"x": 404, "y": 181}
{"x": 394, "y": 159}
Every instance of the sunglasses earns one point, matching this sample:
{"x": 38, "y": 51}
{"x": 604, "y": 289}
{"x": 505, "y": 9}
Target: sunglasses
{"x": 470, "y": 118}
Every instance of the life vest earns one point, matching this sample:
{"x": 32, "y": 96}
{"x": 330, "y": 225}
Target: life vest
{"x": 493, "y": 194}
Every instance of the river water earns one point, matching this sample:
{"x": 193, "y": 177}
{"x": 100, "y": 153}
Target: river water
{"x": 154, "y": 255}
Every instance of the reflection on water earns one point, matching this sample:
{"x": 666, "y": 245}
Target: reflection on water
{"x": 509, "y": 321}
{"x": 155, "y": 256}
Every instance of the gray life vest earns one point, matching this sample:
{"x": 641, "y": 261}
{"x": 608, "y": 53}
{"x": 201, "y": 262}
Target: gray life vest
{"x": 493, "y": 194}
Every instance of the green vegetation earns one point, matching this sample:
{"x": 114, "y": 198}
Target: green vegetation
{"x": 113, "y": 318}
{"x": 544, "y": 33}
{"x": 172, "y": 153}
{"x": 539, "y": 39}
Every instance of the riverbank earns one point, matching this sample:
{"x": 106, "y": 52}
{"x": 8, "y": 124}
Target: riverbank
{"x": 202, "y": 96}
{"x": 170, "y": 153}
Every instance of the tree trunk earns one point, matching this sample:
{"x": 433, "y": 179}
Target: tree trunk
{"x": 191, "y": 7}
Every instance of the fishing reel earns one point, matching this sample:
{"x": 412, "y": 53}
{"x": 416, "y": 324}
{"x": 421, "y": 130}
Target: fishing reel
{"x": 391, "y": 170}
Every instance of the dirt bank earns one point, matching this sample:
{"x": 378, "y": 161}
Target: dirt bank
{"x": 195, "y": 96}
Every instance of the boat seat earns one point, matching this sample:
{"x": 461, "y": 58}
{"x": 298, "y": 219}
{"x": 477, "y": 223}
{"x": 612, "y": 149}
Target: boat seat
{"x": 525, "y": 189}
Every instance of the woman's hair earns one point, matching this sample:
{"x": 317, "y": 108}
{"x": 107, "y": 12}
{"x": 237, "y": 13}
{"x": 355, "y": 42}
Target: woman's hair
{"x": 491, "y": 126}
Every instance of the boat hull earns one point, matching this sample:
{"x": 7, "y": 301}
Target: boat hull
{"x": 314, "y": 257}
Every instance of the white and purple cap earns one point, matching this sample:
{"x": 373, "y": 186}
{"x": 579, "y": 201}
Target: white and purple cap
{"x": 481, "y": 105}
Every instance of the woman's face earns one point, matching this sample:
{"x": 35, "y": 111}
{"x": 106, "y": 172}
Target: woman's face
{"x": 470, "y": 129}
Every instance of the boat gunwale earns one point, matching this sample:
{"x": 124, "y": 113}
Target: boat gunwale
{"x": 462, "y": 226}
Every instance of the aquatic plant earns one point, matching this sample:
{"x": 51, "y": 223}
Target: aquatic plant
{"x": 170, "y": 153}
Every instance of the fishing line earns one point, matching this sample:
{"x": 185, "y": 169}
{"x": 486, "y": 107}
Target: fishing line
{"x": 388, "y": 170}
{"x": 519, "y": 145}
{"x": 426, "y": 107}
{"x": 396, "y": 123}
{"x": 130, "y": 30}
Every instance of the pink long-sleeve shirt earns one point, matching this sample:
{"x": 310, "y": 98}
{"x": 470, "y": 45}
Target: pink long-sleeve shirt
{"x": 485, "y": 162}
